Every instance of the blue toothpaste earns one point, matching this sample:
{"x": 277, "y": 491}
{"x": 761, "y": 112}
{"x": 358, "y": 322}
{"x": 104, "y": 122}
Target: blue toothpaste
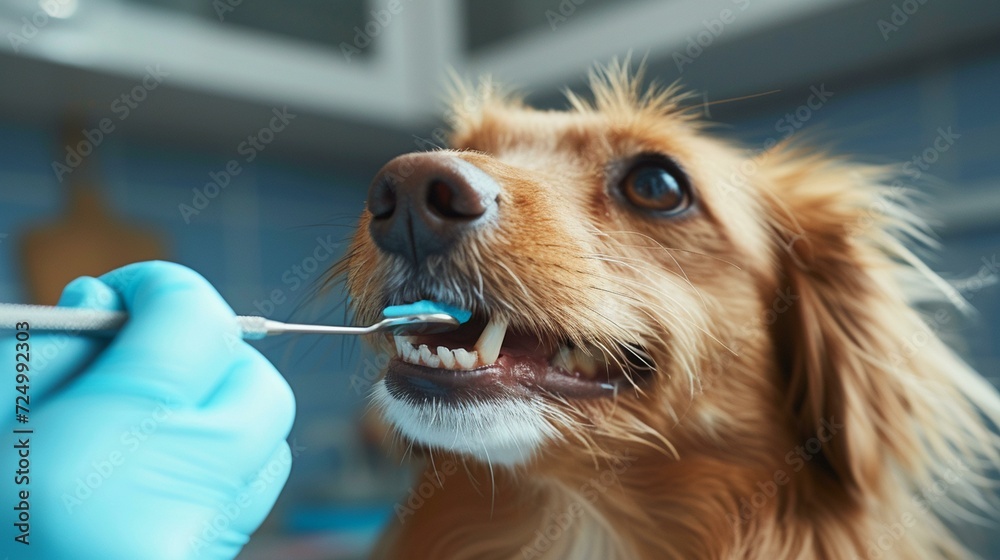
{"x": 425, "y": 306}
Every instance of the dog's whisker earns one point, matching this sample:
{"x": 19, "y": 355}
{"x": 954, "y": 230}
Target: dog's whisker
{"x": 622, "y": 260}
{"x": 691, "y": 323}
{"x": 437, "y": 476}
{"x": 646, "y": 287}
{"x": 640, "y": 291}
{"x": 669, "y": 253}
{"x": 639, "y": 266}
{"x": 656, "y": 244}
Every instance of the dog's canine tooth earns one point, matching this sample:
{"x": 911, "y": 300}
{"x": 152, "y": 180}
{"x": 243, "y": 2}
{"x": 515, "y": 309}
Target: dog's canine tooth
{"x": 446, "y": 356}
{"x": 491, "y": 340}
{"x": 466, "y": 359}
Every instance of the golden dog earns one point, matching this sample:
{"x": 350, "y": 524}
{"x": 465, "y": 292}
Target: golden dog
{"x": 676, "y": 350}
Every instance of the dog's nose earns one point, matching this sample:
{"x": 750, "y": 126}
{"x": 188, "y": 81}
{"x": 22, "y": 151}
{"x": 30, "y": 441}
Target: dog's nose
{"x": 422, "y": 203}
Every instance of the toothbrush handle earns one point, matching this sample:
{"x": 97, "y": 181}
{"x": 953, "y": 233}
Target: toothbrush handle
{"x": 94, "y": 321}
{"x": 64, "y": 319}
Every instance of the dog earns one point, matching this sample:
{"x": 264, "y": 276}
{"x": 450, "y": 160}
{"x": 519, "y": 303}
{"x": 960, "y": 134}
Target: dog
{"x": 677, "y": 349}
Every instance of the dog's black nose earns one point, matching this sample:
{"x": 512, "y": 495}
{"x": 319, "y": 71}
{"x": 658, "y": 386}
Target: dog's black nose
{"x": 422, "y": 203}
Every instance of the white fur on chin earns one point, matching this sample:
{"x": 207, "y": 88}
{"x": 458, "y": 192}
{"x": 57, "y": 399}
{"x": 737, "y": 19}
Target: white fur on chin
{"x": 506, "y": 431}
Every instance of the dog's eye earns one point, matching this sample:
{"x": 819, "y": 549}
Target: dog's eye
{"x": 656, "y": 186}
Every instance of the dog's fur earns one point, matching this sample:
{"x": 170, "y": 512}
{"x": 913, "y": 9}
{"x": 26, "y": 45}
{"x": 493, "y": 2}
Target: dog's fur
{"x": 800, "y": 407}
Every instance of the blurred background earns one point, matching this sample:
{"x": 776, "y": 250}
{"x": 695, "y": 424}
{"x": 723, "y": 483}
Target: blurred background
{"x": 238, "y": 137}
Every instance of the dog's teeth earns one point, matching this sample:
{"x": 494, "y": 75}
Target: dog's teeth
{"x": 403, "y": 346}
{"x": 413, "y": 356}
{"x": 428, "y": 358}
{"x": 585, "y": 362}
{"x": 563, "y": 359}
{"x": 447, "y": 357}
{"x": 491, "y": 340}
{"x": 466, "y": 359}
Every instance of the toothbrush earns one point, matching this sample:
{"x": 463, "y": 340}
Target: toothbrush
{"x": 409, "y": 319}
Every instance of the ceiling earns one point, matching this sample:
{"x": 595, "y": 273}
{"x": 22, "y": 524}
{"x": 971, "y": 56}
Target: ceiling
{"x": 364, "y": 78}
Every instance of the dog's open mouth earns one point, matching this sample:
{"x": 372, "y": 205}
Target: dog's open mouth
{"x": 486, "y": 358}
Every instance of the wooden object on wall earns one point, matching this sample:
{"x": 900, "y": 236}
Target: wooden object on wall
{"x": 86, "y": 240}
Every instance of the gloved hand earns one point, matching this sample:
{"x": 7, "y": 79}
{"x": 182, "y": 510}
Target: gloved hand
{"x": 166, "y": 442}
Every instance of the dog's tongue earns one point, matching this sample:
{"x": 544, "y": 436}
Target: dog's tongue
{"x": 426, "y": 306}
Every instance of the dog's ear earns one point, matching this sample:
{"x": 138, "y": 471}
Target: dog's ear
{"x": 865, "y": 373}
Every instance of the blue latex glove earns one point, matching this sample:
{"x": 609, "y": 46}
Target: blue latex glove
{"x": 167, "y": 442}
